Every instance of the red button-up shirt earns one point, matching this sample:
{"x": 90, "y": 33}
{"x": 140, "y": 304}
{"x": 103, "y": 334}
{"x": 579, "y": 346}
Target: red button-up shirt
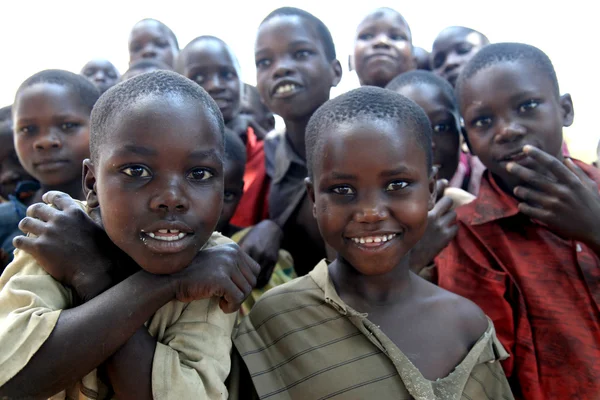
{"x": 541, "y": 290}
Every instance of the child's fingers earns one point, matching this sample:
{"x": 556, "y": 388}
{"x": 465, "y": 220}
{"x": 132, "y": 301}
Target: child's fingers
{"x": 24, "y": 243}
{"x": 232, "y": 298}
{"x": 440, "y": 187}
{"x": 32, "y": 226}
{"x": 551, "y": 164}
{"x": 540, "y": 214}
{"x": 250, "y": 269}
{"x": 531, "y": 196}
{"x": 59, "y": 200}
{"x": 41, "y": 211}
{"x": 442, "y": 207}
{"x": 240, "y": 281}
{"x": 533, "y": 178}
{"x": 580, "y": 174}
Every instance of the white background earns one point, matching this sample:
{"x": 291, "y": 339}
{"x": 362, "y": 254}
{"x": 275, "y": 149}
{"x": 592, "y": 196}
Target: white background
{"x": 65, "y": 34}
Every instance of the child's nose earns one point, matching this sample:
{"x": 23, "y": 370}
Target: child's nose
{"x": 47, "y": 140}
{"x": 283, "y": 68}
{"x": 371, "y": 210}
{"x": 508, "y": 131}
{"x": 382, "y": 40}
{"x": 170, "y": 198}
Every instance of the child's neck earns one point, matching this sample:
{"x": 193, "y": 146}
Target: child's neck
{"x": 363, "y": 291}
{"x": 73, "y": 189}
{"x": 296, "y": 133}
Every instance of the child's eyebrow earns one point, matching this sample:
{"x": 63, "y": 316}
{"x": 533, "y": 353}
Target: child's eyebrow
{"x": 136, "y": 149}
{"x": 396, "y": 171}
{"x": 203, "y": 154}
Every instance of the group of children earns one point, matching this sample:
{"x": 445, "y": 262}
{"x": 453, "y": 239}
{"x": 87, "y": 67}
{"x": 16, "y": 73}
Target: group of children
{"x": 374, "y": 257}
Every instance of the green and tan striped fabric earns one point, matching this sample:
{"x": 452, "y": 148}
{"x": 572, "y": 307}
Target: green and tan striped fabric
{"x": 301, "y": 341}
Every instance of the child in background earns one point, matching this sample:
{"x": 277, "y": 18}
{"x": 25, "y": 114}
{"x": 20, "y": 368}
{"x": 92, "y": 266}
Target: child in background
{"x": 364, "y": 326}
{"x": 256, "y": 111}
{"x": 152, "y": 39}
{"x": 145, "y": 65}
{"x": 51, "y": 135}
{"x": 102, "y": 73}
{"x": 527, "y": 249}
{"x": 208, "y": 61}
{"x": 296, "y": 69}
{"x": 144, "y": 282}
{"x": 422, "y": 58}
{"x": 233, "y": 171}
{"x": 382, "y": 48}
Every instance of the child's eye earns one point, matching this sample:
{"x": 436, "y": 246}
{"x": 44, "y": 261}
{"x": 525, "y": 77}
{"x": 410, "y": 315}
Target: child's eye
{"x": 528, "y": 105}
{"x": 200, "y": 174}
{"x": 263, "y": 63}
{"x": 396, "y": 185}
{"x": 301, "y": 54}
{"x": 365, "y": 36}
{"x": 136, "y": 171}
{"x": 398, "y": 37}
{"x": 439, "y": 60}
{"x": 67, "y": 126}
{"x": 26, "y": 129}
{"x": 199, "y": 79}
{"x": 343, "y": 190}
{"x": 228, "y": 75}
{"x": 229, "y": 196}
{"x": 464, "y": 48}
{"x": 481, "y": 122}
{"x": 439, "y": 128}
{"x": 161, "y": 43}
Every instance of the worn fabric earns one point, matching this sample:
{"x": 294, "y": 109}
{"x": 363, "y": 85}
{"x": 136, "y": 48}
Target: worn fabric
{"x": 192, "y": 356}
{"x": 540, "y": 289}
{"x": 253, "y": 206}
{"x": 301, "y": 341}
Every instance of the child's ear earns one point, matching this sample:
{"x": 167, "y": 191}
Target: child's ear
{"x": 463, "y": 132}
{"x": 566, "y": 103}
{"x": 89, "y": 184}
{"x": 337, "y": 72}
{"x": 310, "y": 188}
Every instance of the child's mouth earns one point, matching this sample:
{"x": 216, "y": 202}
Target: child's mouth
{"x": 373, "y": 241}
{"x": 167, "y": 235}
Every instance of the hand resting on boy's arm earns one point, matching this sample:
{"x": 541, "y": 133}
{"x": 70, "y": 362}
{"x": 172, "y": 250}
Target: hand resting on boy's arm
{"x": 262, "y": 243}
{"x": 115, "y": 311}
{"x": 563, "y": 197}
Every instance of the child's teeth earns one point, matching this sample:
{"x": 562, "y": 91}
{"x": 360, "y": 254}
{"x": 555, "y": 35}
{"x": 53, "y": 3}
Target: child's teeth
{"x": 374, "y": 239}
{"x": 163, "y": 231}
{"x": 151, "y": 234}
{"x": 377, "y": 240}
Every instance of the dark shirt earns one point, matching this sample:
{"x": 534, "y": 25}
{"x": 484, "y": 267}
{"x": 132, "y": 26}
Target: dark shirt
{"x": 289, "y": 205}
{"x": 541, "y": 290}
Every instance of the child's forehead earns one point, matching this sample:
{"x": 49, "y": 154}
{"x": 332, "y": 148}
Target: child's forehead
{"x": 205, "y": 51}
{"x": 425, "y": 92}
{"x": 59, "y": 98}
{"x": 148, "y": 28}
{"x": 383, "y": 15}
{"x": 286, "y": 30}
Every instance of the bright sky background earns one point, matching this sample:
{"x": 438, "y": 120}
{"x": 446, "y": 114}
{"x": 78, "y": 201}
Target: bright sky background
{"x": 66, "y": 34}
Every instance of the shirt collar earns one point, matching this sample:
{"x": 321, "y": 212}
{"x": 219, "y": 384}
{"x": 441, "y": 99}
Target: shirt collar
{"x": 320, "y": 274}
{"x": 492, "y": 203}
{"x": 285, "y": 156}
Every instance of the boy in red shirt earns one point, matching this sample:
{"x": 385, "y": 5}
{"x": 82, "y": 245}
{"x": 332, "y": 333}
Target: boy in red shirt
{"x": 527, "y": 249}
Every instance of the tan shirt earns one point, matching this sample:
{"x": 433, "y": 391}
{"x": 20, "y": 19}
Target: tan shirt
{"x": 192, "y": 357}
{"x": 301, "y": 341}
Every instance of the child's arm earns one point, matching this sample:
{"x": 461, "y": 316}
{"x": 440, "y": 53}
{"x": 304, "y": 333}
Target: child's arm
{"x": 563, "y": 197}
{"x": 263, "y": 243}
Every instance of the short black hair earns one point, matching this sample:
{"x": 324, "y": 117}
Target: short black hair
{"x": 88, "y": 92}
{"x": 506, "y": 53}
{"x": 235, "y": 150}
{"x": 179, "y": 61}
{"x": 322, "y": 30}
{"x": 422, "y": 77}
{"x": 6, "y": 113}
{"x": 367, "y": 103}
{"x": 170, "y": 33}
{"x": 157, "y": 83}
{"x": 466, "y": 31}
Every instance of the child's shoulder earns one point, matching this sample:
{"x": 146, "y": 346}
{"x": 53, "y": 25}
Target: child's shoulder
{"x": 450, "y": 310}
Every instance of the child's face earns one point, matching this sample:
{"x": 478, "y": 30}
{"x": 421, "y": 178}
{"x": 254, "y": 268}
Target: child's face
{"x": 293, "y": 74}
{"x": 452, "y": 50}
{"x": 371, "y": 209}
{"x": 158, "y": 179}
{"x": 211, "y": 65}
{"x": 510, "y": 105}
{"x": 11, "y": 170}
{"x": 443, "y": 114}
{"x": 149, "y": 39}
{"x": 102, "y": 73}
{"x": 51, "y": 133}
{"x": 234, "y": 188}
{"x": 382, "y": 49}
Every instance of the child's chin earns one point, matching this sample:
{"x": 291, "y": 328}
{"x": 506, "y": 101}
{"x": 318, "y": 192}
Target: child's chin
{"x": 163, "y": 266}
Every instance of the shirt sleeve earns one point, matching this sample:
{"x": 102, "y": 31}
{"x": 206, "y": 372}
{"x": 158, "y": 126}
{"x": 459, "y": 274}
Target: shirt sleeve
{"x": 30, "y": 304}
{"x": 466, "y": 267}
{"x": 193, "y": 352}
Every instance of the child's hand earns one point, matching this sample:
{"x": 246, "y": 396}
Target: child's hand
{"x": 441, "y": 229}
{"x": 223, "y": 271}
{"x": 262, "y": 243}
{"x": 562, "y": 197}
{"x": 69, "y": 245}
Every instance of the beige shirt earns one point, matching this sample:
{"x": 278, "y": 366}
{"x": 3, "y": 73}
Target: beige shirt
{"x": 301, "y": 341}
{"x": 192, "y": 357}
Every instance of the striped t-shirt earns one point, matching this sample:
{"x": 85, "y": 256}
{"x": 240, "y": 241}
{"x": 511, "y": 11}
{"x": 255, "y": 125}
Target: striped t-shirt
{"x": 301, "y": 341}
